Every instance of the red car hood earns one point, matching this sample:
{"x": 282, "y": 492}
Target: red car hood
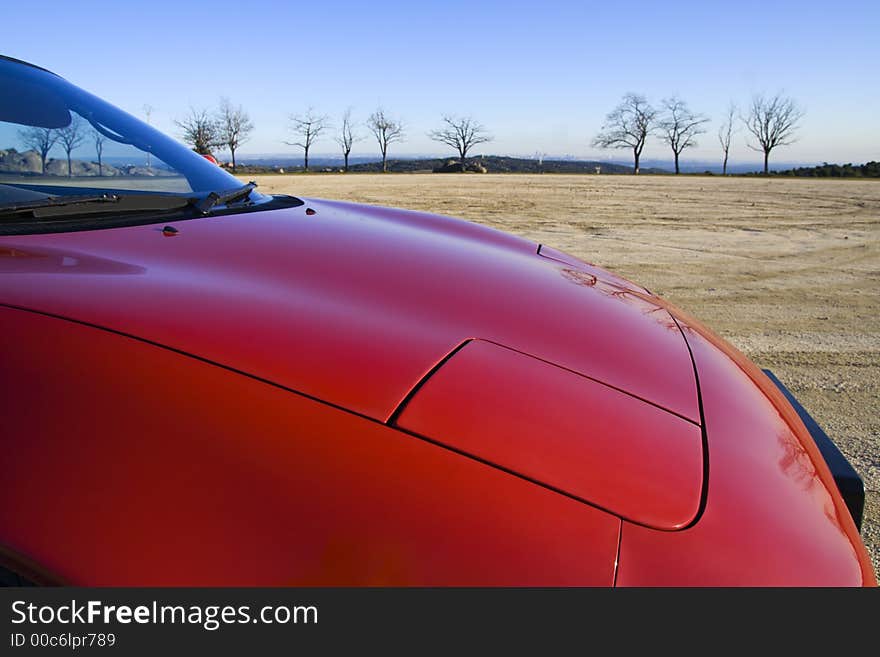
{"x": 351, "y": 305}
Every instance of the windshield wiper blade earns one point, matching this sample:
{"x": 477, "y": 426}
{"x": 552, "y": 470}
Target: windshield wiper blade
{"x": 66, "y": 206}
{"x": 57, "y": 201}
{"x": 60, "y": 207}
{"x": 217, "y": 198}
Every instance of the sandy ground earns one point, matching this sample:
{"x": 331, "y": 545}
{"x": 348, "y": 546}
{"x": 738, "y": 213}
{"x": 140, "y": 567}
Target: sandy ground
{"x": 787, "y": 270}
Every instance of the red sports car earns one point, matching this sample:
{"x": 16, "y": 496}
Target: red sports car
{"x": 203, "y": 384}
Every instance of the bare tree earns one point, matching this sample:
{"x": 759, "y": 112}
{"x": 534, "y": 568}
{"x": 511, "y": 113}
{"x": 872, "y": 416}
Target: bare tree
{"x": 679, "y": 126}
{"x": 309, "y": 127}
{"x": 70, "y": 137}
{"x": 772, "y": 121}
{"x": 200, "y": 131}
{"x": 98, "y": 139}
{"x": 725, "y": 132}
{"x": 628, "y": 126}
{"x": 387, "y": 131}
{"x": 461, "y": 133}
{"x": 235, "y": 127}
{"x": 41, "y": 140}
{"x": 346, "y": 137}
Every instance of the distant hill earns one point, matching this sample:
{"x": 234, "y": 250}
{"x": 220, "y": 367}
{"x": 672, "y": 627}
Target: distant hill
{"x": 491, "y": 164}
{"x": 504, "y": 164}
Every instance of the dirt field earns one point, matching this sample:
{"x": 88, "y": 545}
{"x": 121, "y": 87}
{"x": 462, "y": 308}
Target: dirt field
{"x": 787, "y": 270}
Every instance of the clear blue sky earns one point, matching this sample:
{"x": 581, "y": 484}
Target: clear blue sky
{"x": 540, "y": 75}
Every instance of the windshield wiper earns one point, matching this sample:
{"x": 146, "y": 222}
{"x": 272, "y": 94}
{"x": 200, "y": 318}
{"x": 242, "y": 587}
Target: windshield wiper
{"x": 67, "y": 206}
{"x": 217, "y": 198}
{"x": 57, "y": 201}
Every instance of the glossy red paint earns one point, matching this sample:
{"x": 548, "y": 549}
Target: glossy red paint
{"x": 135, "y": 465}
{"x": 560, "y": 256}
{"x": 564, "y": 431}
{"x": 352, "y": 306}
{"x": 773, "y": 516}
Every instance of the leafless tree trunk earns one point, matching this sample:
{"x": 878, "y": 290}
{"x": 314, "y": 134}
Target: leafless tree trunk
{"x": 99, "y": 140}
{"x": 200, "y": 131}
{"x": 346, "y": 137}
{"x": 461, "y": 134}
{"x": 235, "y": 127}
{"x": 41, "y": 140}
{"x": 309, "y": 127}
{"x": 387, "y": 131}
{"x": 70, "y": 137}
{"x": 725, "y": 132}
{"x": 772, "y": 121}
{"x": 679, "y": 126}
{"x": 628, "y": 126}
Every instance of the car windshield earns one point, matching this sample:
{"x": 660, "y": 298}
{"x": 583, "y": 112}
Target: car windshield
{"x": 60, "y": 145}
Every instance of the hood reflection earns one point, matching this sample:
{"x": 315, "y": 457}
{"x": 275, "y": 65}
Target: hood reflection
{"x": 612, "y": 291}
{"x": 796, "y": 463}
{"x": 44, "y": 260}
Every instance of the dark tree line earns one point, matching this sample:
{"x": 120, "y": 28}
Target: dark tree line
{"x": 825, "y": 170}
